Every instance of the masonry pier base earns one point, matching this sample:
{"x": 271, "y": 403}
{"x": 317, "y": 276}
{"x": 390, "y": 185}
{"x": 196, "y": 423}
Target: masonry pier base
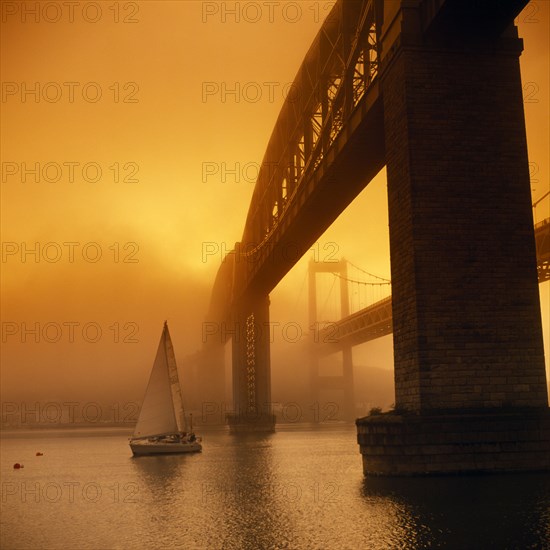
{"x": 245, "y": 423}
{"x": 455, "y": 442}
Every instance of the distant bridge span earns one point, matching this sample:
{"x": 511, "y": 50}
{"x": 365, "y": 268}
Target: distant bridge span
{"x": 375, "y": 321}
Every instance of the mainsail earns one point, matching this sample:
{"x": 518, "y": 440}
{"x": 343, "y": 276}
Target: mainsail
{"x": 162, "y": 408}
{"x": 174, "y": 383}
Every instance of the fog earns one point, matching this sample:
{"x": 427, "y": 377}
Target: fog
{"x": 90, "y": 270}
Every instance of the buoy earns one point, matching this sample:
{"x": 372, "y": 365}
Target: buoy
{"x": 38, "y": 453}
{"x": 16, "y": 466}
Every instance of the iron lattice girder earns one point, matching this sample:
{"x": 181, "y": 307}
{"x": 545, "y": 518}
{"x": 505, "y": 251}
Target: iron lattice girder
{"x": 250, "y": 361}
{"x": 338, "y": 69}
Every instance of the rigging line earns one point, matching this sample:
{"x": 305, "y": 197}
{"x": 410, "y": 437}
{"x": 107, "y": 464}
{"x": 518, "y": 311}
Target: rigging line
{"x": 367, "y": 273}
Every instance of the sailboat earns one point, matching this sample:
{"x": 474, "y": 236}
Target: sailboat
{"x": 162, "y": 427}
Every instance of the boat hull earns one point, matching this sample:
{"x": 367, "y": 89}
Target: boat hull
{"x": 141, "y": 448}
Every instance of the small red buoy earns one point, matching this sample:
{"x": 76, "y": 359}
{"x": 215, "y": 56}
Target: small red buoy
{"x": 17, "y": 466}
{"x": 38, "y": 453}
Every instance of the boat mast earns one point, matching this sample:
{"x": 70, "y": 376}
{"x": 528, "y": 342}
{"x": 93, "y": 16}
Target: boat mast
{"x": 174, "y": 380}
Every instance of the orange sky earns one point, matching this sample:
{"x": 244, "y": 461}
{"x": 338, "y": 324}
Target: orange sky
{"x": 162, "y": 64}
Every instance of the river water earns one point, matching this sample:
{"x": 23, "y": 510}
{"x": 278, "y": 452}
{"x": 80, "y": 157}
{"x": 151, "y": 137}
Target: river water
{"x": 301, "y": 488}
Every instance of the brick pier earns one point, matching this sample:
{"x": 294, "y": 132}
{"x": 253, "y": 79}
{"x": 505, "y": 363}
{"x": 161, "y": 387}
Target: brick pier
{"x": 469, "y": 360}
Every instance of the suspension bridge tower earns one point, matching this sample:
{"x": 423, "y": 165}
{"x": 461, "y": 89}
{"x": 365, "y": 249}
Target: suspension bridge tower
{"x": 344, "y": 381}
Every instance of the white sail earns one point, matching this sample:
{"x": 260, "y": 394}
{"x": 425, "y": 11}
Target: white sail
{"x": 162, "y": 410}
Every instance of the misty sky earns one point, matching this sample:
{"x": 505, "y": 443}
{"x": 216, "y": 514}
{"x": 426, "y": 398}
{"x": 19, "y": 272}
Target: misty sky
{"x": 147, "y": 121}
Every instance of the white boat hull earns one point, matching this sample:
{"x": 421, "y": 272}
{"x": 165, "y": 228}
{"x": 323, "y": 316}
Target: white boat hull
{"x": 144, "y": 447}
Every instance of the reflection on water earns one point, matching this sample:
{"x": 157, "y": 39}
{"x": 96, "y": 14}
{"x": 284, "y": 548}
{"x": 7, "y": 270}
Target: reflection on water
{"x": 296, "y": 489}
{"x": 496, "y": 511}
{"x": 239, "y": 484}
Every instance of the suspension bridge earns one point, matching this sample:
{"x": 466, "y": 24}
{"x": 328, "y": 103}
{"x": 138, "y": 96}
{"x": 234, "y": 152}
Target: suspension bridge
{"x": 371, "y": 318}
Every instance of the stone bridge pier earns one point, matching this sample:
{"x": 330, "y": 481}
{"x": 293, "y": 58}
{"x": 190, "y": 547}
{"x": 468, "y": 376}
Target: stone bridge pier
{"x": 251, "y": 367}
{"x": 470, "y": 382}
